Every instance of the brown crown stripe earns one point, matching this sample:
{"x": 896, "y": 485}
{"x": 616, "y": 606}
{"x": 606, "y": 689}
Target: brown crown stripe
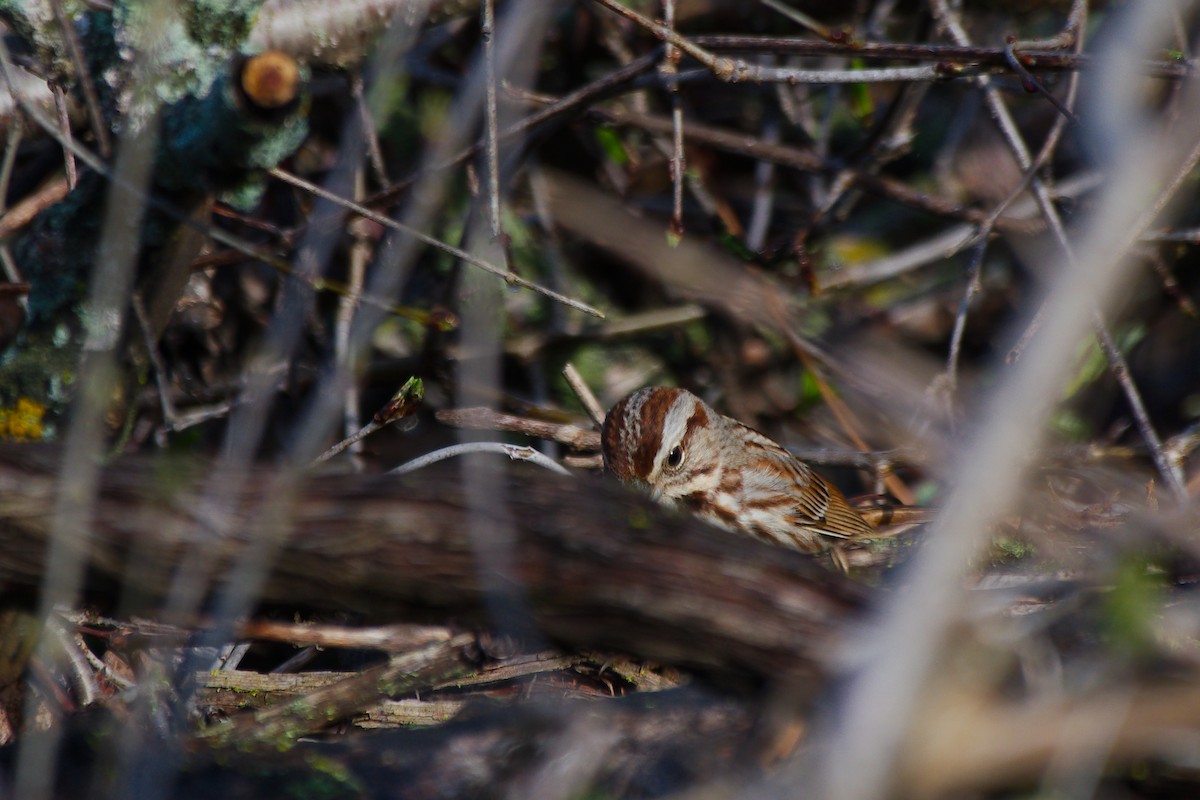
{"x": 615, "y": 459}
{"x": 654, "y": 411}
{"x": 697, "y": 420}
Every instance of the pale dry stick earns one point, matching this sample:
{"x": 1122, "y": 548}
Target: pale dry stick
{"x": 798, "y": 17}
{"x": 1116, "y": 360}
{"x": 552, "y": 244}
{"x": 650, "y": 321}
{"x": 1182, "y": 235}
{"x": 948, "y": 54}
{"x": 486, "y": 419}
{"x": 231, "y": 656}
{"x": 593, "y": 462}
{"x": 385, "y": 638}
{"x": 861, "y": 755}
{"x": 736, "y": 70}
{"x": 100, "y": 667}
{"x": 670, "y": 70}
{"x": 349, "y": 441}
{"x": 64, "y": 122}
{"x": 763, "y": 203}
{"x": 487, "y": 32}
{"x": 1180, "y": 446}
{"x": 360, "y": 254}
{"x": 584, "y": 393}
{"x": 974, "y": 284}
{"x": 281, "y": 725}
{"x": 506, "y": 275}
{"x": 1067, "y": 37}
{"x": 515, "y": 452}
{"x": 11, "y": 145}
{"x": 159, "y": 366}
{"x": 199, "y": 415}
{"x": 71, "y": 644}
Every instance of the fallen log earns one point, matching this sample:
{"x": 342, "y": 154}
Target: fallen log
{"x": 583, "y": 562}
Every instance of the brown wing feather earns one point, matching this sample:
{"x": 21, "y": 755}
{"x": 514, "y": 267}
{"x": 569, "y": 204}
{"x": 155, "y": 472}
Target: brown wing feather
{"x": 816, "y": 504}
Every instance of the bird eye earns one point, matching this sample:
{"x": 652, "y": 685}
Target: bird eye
{"x": 675, "y": 457}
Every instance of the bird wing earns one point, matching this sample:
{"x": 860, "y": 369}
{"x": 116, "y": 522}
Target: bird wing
{"x": 814, "y": 505}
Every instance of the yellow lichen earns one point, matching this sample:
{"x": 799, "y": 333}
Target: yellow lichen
{"x": 22, "y": 422}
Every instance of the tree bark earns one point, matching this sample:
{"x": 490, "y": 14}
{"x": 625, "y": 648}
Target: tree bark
{"x": 583, "y": 561}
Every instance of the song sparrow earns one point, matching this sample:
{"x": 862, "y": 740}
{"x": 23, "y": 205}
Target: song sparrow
{"x": 722, "y": 470}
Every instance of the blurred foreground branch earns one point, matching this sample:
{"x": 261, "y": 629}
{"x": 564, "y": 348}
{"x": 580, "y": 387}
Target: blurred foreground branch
{"x": 596, "y": 565}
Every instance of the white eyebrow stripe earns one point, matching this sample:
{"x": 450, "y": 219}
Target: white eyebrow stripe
{"x": 674, "y": 427}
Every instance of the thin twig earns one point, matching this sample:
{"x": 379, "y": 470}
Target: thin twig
{"x": 159, "y": 367}
{"x": 23, "y": 212}
{"x": 1040, "y": 60}
{"x": 764, "y": 194}
{"x": 973, "y": 286}
{"x": 1119, "y": 368}
{"x": 513, "y": 451}
{"x": 1030, "y": 81}
{"x": 11, "y": 146}
{"x": 491, "y": 117}
{"x": 86, "y": 689}
{"x": 669, "y": 69}
{"x": 584, "y": 393}
{"x": 487, "y": 419}
{"x": 1171, "y": 286}
{"x": 64, "y": 124}
{"x": 736, "y": 70}
{"x": 83, "y": 77}
{"x": 370, "y": 133}
{"x": 360, "y": 254}
{"x": 799, "y": 17}
{"x": 508, "y": 276}
{"x": 402, "y": 404}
